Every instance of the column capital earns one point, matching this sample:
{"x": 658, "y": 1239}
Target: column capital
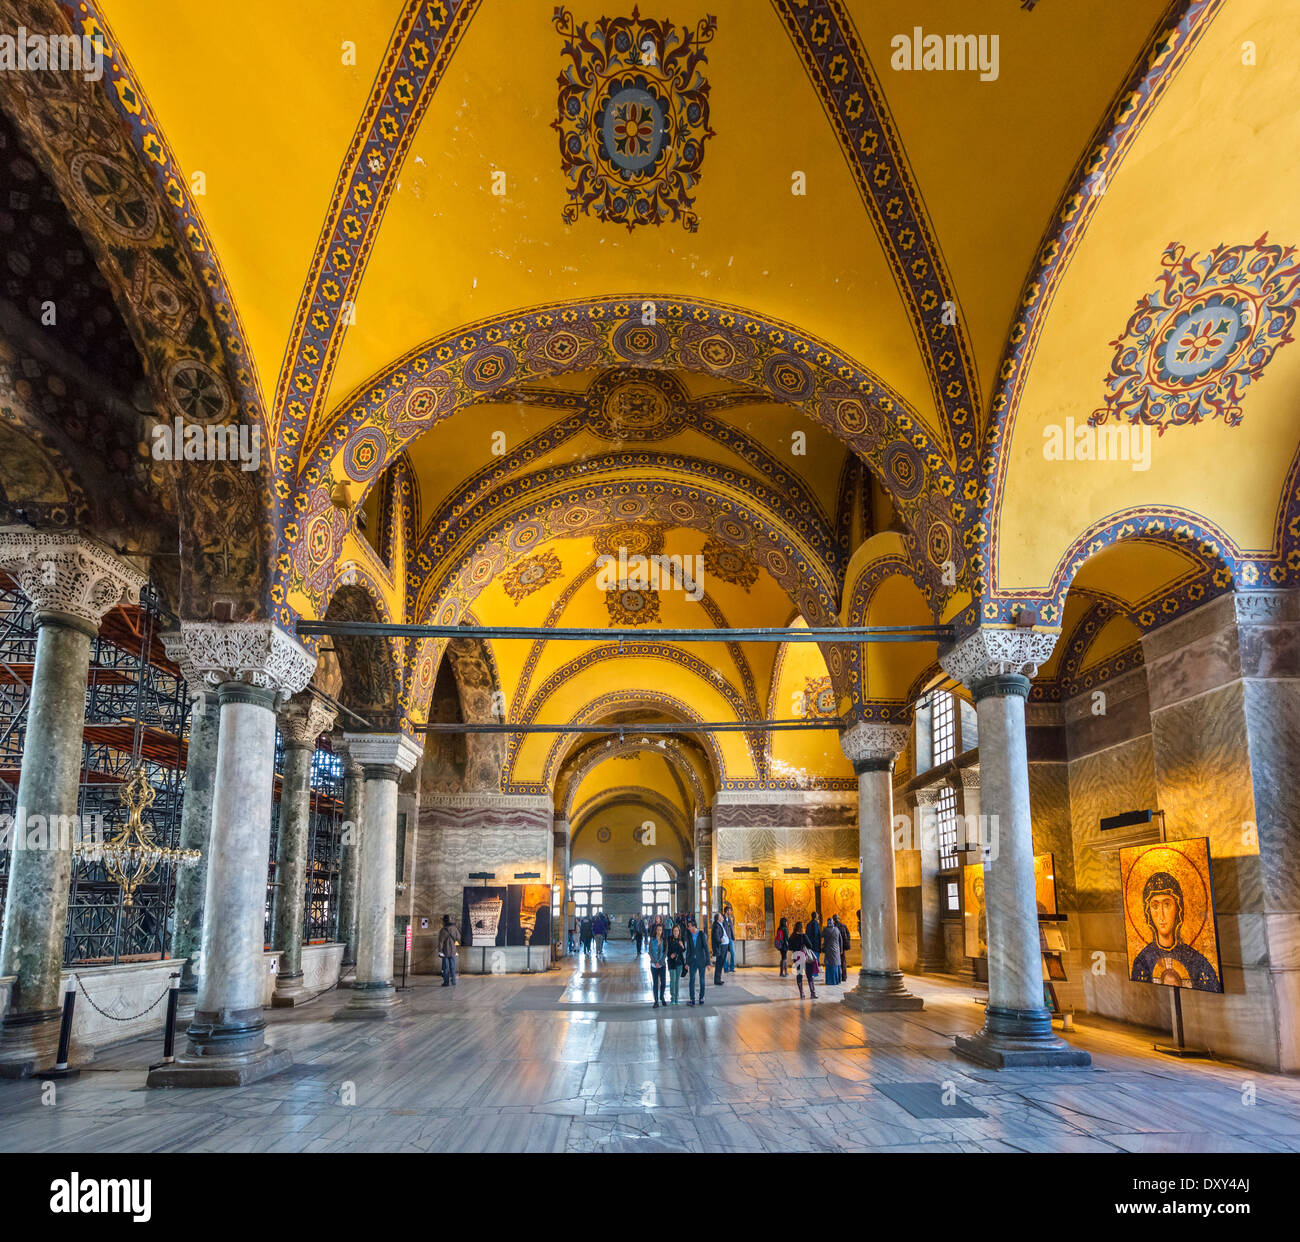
{"x": 872, "y": 746}
{"x": 68, "y": 574}
{"x": 930, "y": 795}
{"x": 994, "y": 652}
{"x": 969, "y": 777}
{"x": 254, "y": 652}
{"x": 304, "y": 718}
{"x": 388, "y": 750}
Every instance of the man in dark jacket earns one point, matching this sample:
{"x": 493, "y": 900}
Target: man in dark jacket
{"x": 697, "y": 957}
{"x": 814, "y": 933}
{"x": 721, "y": 943}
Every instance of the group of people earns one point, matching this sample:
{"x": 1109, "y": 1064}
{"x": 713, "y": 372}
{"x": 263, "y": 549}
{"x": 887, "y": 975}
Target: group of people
{"x": 681, "y": 949}
{"x": 592, "y": 929}
{"x": 806, "y": 946}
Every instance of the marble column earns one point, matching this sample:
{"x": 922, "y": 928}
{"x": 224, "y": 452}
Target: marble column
{"x": 562, "y": 843}
{"x": 969, "y": 850}
{"x": 384, "y": 756}
{"x": 354, "y": 789}
{"x": 254, "y": 666}
{"x": 71, "y": 583}
{"x": 302, "y": 720}
{"x": 703, "y": 897}
{"x": 996, "y": 664}
{"x": 872, "y": 749}
{"x": 930, "y": 955}
{"x": 196, "y": 834}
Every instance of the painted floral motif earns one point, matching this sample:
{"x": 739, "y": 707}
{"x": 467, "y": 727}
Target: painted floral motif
{"x": 819, "y": 698}
{"x": 531, "y": 574}
{"x": 1194, "y": 345}
{"x": 632, "y": 606}
{"x": 634, "y": 117}
{"x": 728, "y": 563}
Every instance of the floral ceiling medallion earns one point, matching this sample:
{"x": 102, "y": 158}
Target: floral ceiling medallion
{"x": 1194, "y": 345}
{"x": 634, "y": 117}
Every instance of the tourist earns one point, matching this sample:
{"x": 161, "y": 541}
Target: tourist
{"x": 600, "y": 926}
{"x": 729, "y": 918}
{"x": 448, "y": 939}
{"x": 721, "y": 943}
{"x": 586, "y": 933}
{"x": 804, "y": 960}
{"x": 697, "y": 957}
{"x": 637, "y": 931}
{"x": 832, "y": 946}
{"x": 676, "y": 957}
{"x": 658, "y": 950}
{"x": 782, "y": 944}
{"x": 814, "y": 934}
{"x": 844, "y": 949}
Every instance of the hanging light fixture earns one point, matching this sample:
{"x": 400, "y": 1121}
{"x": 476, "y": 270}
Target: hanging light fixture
{"x": 132, "y": 855}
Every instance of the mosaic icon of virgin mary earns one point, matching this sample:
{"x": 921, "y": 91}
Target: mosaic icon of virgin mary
{"x": 1167, "y": 958}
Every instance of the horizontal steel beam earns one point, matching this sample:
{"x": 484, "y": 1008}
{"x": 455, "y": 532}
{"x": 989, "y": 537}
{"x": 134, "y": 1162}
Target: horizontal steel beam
{"x": 622, "y": 730}
{"x": 774, "y": 634}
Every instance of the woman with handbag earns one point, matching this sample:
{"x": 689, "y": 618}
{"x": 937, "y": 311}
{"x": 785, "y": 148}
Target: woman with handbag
{"x": 804, "y": 960}
{"x": 675, "y": 954}
{"x": 782, "y": 945}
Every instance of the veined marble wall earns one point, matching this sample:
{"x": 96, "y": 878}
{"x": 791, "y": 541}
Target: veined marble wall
{"x": 1224, "y": 686}
{"x": 775, "y": 830}
{"x": 462, "y": 833}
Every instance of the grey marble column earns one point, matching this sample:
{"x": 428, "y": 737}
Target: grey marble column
{"x": 254, "y": 666}
{"x": 561, "y": 842}
{"x": 996, "y": 664}
{"x": 930, "y": 955}
{"x": 385, "y": 756}
{"x": 196, "y": 834}
{"x": 872, "y": 749}
{"x": 354, "y": 790}
{"x": 302, "y": 720}
{"x": 71, "y": 583}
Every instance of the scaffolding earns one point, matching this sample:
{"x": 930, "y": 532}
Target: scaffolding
{"x": 134, "y": 690}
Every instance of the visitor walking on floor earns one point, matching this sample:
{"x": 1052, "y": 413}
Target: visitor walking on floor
{"x": 721, "y": 943}
{"x": 844, "y": 948}
{"x": 448, "y": 939}
{"x": 658, "y": 950}
{"x": 587, "y": 931}
{"x": 697, "y": 957}
{"x": 600, "y": 926}
{"x": 676, "y": 958}
{"x": 729, "y": 918}
{"x": 782, "y": 945}
{"x": 804, "y": 960}
{"x": 832, "y": 946}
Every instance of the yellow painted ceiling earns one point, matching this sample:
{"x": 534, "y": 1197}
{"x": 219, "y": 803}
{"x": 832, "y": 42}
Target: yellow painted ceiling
{"x": 1216, "y": 164}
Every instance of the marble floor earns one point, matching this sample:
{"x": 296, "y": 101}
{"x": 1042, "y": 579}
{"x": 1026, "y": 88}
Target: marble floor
{"x": 577, "y": 1060}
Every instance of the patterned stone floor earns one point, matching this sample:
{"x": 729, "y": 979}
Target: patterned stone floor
{"x": 577, "y": 1060}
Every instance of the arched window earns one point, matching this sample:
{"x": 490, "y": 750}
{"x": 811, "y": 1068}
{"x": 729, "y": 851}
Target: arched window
{"x": 587, "y": 886}
{"x": 657, "y": 884}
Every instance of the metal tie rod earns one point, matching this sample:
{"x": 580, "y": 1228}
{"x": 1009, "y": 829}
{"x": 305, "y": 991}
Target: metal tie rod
{"x": 631, "y": 730}
{"x": 773, "y": 634}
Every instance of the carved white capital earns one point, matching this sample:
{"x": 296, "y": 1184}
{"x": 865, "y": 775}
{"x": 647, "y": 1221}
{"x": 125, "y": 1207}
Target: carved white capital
{"x": 254, "y": 652}
{"x": 931, "y": 795}
{"x": 304, "y": 718}
{"x": 68, "y": 573}
{"x": 394, "y": 750}
{"x": 872, "y": 742}
{"x": 969, "y": 777}
{"x": 991, "y": 652}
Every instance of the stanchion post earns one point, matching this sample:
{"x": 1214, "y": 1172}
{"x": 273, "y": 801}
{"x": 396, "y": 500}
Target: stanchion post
{"x": 169, "y": 1029}
{"x": 61, "y": 1069}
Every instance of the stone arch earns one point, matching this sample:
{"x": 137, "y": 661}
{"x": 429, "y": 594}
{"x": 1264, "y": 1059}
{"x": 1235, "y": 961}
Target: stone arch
{"x": 442, "y": 376}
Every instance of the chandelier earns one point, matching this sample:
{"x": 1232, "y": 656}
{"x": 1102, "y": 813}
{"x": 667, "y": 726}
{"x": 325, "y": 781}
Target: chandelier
{"x": 131, "y": 855}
